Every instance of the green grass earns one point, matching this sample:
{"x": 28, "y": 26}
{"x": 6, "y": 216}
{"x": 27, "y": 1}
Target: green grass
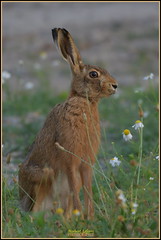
{"x": 112, "y": 220}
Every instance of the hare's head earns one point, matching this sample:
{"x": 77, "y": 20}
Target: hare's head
{"x": 88, "y": 81}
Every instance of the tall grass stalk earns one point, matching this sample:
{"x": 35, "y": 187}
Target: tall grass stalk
{"x": 140, "y": 159}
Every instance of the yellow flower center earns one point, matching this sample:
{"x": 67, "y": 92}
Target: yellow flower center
{"x": 76, "y": 212}
{"x": 126, "y": 132}
{"x": 59, "y": 211}
{"x": 119, "y": 192}
{"x": 138, "y": 121}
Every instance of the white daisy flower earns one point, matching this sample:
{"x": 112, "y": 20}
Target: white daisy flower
{"x": 133, "y": 208}
{"x": 151, "y": 178}
{"x": 127, "y": 135}
{"x": 150, "y": 76}
{"x": 135, "y": 205}
{"x": 6, "y": 75}
{"x": 122, "y": 197}
{"x": 133, "y": 211}
{"x": 157, "y": 157}
{"x": 115, "y": 162}
{"x": 138, "y": 124}
{"x": 29, "y": 85}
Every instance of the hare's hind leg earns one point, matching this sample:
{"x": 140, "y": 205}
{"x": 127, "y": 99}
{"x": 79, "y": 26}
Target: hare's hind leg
{"x": 26, "y": 188}
{"x": 86, "y": 175}
{"x": 27, "y": 198}
{"x": 35, "y": 187}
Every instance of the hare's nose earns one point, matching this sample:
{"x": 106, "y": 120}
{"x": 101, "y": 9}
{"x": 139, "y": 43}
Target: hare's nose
{"x": 114, "y": 86}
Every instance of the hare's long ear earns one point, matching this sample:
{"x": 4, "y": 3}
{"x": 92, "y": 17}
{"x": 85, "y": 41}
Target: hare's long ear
{"x": 67, "y": 48}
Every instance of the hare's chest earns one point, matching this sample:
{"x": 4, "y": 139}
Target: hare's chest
{"x": 79, "y": 129}
{"x": 93, "y": 133}
{"x": 88, "y": 132}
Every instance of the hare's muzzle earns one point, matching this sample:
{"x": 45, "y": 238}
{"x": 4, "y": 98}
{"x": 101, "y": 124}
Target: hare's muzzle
{"x": 109, "y": 88}
{"x": 113, "y": 87}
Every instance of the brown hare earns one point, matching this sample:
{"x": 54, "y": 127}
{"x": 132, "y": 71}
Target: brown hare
{"x": 60, "y": 160}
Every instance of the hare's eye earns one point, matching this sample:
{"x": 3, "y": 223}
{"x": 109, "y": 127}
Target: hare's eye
{"x": 93, "y": 74}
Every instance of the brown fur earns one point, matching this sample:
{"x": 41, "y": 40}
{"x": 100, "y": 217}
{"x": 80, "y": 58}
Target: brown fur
{"x": 50, "y": 174}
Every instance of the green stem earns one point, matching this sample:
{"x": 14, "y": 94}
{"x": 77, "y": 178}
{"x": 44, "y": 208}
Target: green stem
{"x": 140, "y": 159}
